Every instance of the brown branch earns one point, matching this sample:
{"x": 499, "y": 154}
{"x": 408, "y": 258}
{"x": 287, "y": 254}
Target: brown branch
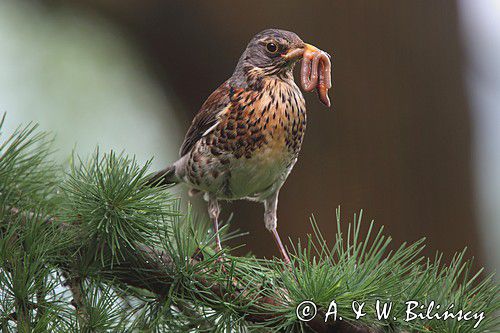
{"x": 13, "y": 315}
{"x": 75, "y": 286}
{"x": 158, "y": 263}
{"x": 148, "y": 268}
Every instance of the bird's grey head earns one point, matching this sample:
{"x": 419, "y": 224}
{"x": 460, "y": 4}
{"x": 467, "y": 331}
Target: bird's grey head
{"x": 270, "y": 52}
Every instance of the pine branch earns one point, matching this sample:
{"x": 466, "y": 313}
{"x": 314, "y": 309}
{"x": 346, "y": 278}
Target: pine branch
{"x": 159, "y": 263}
{"x": 133, "y": 261}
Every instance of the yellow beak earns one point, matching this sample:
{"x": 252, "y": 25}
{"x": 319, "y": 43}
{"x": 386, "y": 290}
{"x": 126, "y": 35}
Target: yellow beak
{"x": 309, "y": 47}
{"x": 299, "y": 51}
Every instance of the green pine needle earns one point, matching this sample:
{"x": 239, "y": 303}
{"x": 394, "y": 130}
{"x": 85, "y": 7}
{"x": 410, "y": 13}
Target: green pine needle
{"x": 94, "y": 223}
{"x": 108, "y": 198}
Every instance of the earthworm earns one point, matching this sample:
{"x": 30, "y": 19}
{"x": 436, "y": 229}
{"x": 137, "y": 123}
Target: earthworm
{"x": 315, "y": 73}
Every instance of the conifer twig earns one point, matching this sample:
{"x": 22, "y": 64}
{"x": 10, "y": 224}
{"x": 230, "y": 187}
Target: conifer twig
{"x": 158, "y": 263}
{"x": 118, "y": 238}
{"x": 153, "y": 260}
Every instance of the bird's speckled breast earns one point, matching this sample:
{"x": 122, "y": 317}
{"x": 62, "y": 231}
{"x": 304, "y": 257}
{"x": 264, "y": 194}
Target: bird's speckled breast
{"x": 256, "y": 142}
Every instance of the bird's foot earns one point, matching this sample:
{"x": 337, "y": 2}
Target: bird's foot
{"x": 281, "y": 248}
{"x": 221, "y": 259}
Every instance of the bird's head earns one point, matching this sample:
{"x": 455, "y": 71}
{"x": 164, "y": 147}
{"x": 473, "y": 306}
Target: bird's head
{"x": 271, "y": 52}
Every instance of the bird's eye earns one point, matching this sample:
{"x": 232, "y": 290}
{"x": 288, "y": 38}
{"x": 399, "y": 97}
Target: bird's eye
{"x": 272, "y": 47}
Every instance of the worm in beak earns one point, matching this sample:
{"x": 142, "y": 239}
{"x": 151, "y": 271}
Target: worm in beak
{"x": 316, "y": 70}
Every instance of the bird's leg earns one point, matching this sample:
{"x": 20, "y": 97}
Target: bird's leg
{"x": 213, "y": 213}
{"x": 271, "y": 222}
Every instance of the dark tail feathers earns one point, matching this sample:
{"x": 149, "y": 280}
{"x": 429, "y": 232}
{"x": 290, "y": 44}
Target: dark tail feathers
{"x": 163, "y": 177}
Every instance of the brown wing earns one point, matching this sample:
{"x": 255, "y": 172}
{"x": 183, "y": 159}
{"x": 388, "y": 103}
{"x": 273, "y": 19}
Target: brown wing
{"x": 207, "y": 116}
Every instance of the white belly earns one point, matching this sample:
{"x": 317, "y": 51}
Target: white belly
{"x": 261, "y": 175}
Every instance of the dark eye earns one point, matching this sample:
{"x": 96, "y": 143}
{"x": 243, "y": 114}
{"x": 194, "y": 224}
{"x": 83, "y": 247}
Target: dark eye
{"x": 272, "y": 47}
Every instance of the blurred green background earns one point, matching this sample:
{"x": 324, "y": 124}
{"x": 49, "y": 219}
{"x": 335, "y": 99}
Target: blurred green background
{"x": 414, "y": 139}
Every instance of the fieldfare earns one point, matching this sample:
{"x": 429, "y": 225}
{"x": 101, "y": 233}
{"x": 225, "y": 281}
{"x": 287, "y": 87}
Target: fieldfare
{"x": 246, "y": 137}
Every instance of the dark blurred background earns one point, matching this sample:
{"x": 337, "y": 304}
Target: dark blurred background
{"x": 412, "y": 139}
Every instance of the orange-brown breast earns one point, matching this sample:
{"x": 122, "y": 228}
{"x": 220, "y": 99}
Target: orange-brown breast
{"x": 256, "y": 141}
{"x": 271, "y": 120}
{"x": 250, "y": 150}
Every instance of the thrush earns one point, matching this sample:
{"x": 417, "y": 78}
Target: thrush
{"x": 247, "y": 135}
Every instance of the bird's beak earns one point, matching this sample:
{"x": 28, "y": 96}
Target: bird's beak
{"x": 298, "y": 52}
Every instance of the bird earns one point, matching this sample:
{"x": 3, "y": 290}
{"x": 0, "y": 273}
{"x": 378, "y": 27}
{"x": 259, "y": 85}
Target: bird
{"x": 245, "y": 139}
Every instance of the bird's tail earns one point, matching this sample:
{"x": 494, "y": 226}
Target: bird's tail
{"x": 164, "y": 177}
